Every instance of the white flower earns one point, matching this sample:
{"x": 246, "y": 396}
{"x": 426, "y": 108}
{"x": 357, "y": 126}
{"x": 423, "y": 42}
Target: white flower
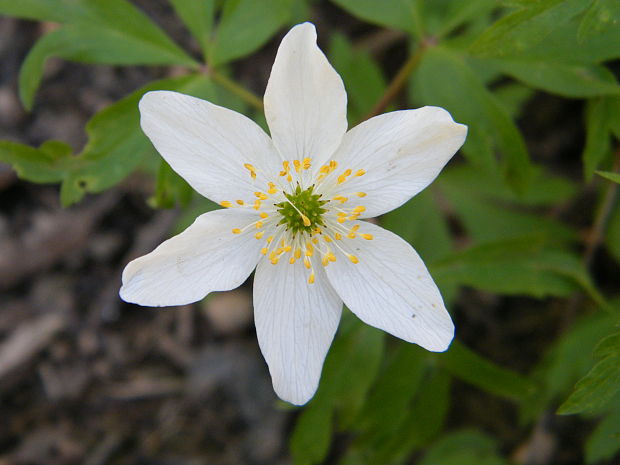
{"x": 293, "y": 204}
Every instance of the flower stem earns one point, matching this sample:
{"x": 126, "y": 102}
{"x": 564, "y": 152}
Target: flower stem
{"x": 598, "y": 228}
{"x": 399, "y": 81}
{"x": 230, "y": 85}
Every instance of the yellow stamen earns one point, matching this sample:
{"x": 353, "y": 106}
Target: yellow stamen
{"x": 261, "y": 195}
{"x": 297, "y": 252}
{"x": 240, "y": 202}
{"x": 355, "y": 228}
{"x": 259, "y": 234}
{"x": 226, "y": 204}
{"x": 257, "y": 204}
{"x": 361, "y": 194}
{"x": 307, "y": 263}
{"x": 297, "y": 165}
{"x": 307, "y": 163}
{"x": 351, "y": 235}
{"x": 359, "y": 209}
{"x": 236, "y": 231}
{"x": 309, "y": 249}
{"x": 259, "y": 224}
{"x": 275, "y": 260}
{"x": 327, "y": 238}
{"x": 263, "y": 250}
{"x": 340, "y": 199}
{"x": 263, "y": 215}
{"x": 292, "y": 260}
{"x": 337, "y": 236}
{"x": 251, "y": 169}
{"x": 368, "y": 237}
{"x": 272, "y": 188}
{"x": 343, "y": 177}
{"x": 341, "y": 219}
{"x": 311, "y": 278}
{"x": 353, "y": 258}
{"x": 269, "y": 239}
{"x": 360, "y": 173}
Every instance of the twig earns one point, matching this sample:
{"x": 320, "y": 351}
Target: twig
{"x": 230, "y": 85}
{"x": 399, "y": 81}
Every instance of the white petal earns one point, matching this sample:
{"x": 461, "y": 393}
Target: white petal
{"x": 208, "y": 145}
{"x": 391, "y": 289}
{"x": 305, "y": 100}
{"x": 402, "y": 152}
{"x": 205, "y": 257}
{"x": 295, "y": 325}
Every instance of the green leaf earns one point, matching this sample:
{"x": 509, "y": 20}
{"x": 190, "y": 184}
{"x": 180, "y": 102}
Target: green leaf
{"x": 597, "y": 388}
{"x": 518, "y": 31}
{"x": 442, "y": 79}
{"x": 198, "y": 17}
{"x": 171, "y": 189}
{"x": 490, "y": 211}
{"x": 526, "y": 265}
{"x": 245, "y": 26}
{"x": 116, "y": 145}
{"x": 612, "y": 235}
{"x": 601, "y": 15}
{"x": 463, "y": 448}
{"x": 42, "y": 165}
{"x": 564, "y": 79}
{"x": 598, "y": 144}
{"x": 604, "y": 442}
{"x": 610, "y": 175}
{"x": 100, "y": 31}
{"x": 312, "y": 435}
{"x": 397, "y": 14}
{"x": 350, "y": 368}
{"x": 42, "y": 10}
{"x": 470, "y": 367}
{"x": 443, "y": 17}
{"x": 388, "y": 402}
{"x": 361, "y": 75}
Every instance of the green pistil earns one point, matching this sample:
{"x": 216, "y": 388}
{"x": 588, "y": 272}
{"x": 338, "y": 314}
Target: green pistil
{"x": 308, "y": 203}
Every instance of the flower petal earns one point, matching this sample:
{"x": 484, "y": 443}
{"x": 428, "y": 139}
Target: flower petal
{"x": 402, "y": 152}
{"x": 391, "y": 289}
{"x": 305, "y": 100}
{"x": 205, "y": 257}
{"x": 208, "y": 145}
{"x": 295, "y": 325}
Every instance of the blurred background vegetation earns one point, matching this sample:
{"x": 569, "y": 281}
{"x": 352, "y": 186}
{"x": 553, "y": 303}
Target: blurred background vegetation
{"x": 521, "y": 232}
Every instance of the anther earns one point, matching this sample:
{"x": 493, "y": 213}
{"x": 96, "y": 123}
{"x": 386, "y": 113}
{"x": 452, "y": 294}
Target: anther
{"x": 297, "y": 165}
{"x": 337, "y": 236}
{"x": 259, "y": 224}
{"x": 263, "y": 250}
{"x": 368, "y": 237}
{"x": 360, "y": 173}
{"x": 263, "y": 215}
{"x": 259, "y": 234}
{"x": 236, "y": 231}
{"x": 359, "y": 209}
{"x": 257, "y": 204}
{"x": 307, "y": 163}
{"x": 240, "y": 202}
{"x": 311, "y": 278}
{"x": 307, "y": 263}
{"x": 226, "y": 204}
{"x": 261, "y": 195}
{"x": 361, "y": 194}
{"x": 272, "y": 188}
{"x": 353, "y": 258}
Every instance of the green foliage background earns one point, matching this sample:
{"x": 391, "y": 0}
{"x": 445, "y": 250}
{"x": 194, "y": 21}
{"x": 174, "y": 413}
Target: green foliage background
{"x": 483, "y": 60}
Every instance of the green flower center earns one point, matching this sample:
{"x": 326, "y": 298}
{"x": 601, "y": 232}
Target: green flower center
{"x": 303, "y": 212}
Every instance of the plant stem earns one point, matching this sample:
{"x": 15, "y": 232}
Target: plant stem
{"x": 230, "y": 85}
{"x": 598, "y": 228}
{"x": 399, "y": 81}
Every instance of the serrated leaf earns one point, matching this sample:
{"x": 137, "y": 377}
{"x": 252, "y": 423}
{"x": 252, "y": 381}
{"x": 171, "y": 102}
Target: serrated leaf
{"x": 609, "y": 175}
{"x": 116, "y": 144}
{"x": 604, "y": 442}
{"x": 516, "y": 266}
{"x": 42, "y": 165}
{"x": 100, "y": 31}
{"x": 442, "y": 79}
{"x": 362, "y": 77}
{"x": 602, "y": 382}
{"x": 397, "y": 14}
{"x": 490, "y": 211}
{"x": 517, "y": 32}
{"x": 245, "y": 26}
{"x": 561, "y": 78}
{"x": 198, "y": 16}
{"x": 470, "y": 367}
